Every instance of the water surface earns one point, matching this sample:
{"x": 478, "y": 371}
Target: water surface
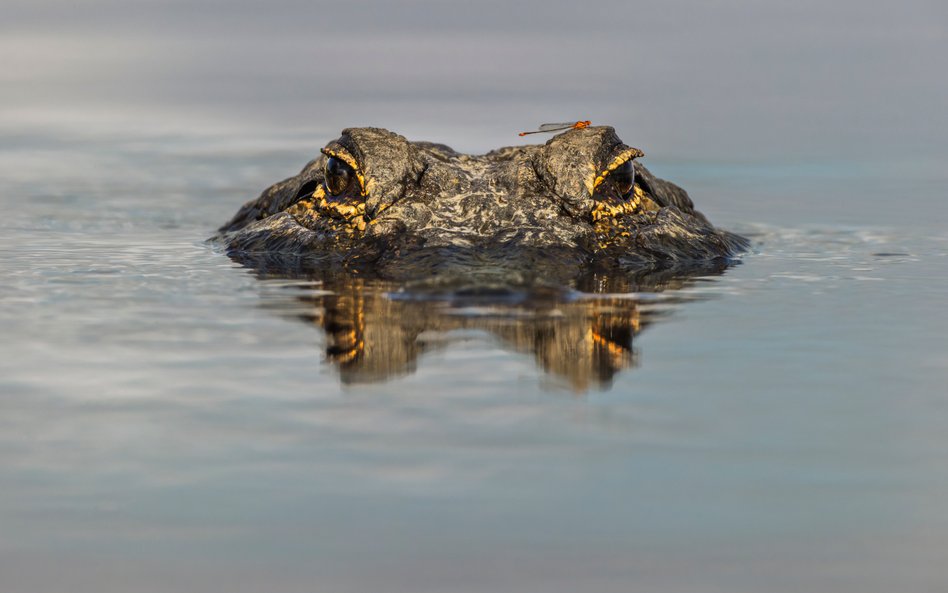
{"x": 171, "y": 420}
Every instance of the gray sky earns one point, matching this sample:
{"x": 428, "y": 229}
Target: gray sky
{"x": 733, "y": 79}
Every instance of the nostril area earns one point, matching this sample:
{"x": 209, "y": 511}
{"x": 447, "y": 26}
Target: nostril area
{"x": 374, "y": 206}
{"x": 307, "y": 189}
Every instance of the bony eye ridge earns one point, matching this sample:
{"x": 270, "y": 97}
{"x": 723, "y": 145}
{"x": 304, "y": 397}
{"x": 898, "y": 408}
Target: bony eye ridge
{"x": 338, "y": 176}
{"x": 375, "y": 198}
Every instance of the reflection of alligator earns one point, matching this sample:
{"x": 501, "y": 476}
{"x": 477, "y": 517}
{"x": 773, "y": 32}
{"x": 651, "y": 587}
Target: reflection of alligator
{"x": 574, "y": 212}
{"x": 373, "y": 198}
{"x": 377, "y": 330}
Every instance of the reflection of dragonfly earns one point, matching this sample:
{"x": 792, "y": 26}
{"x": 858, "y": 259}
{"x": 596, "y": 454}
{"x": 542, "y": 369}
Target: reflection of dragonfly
{"x": 576, "y": 125}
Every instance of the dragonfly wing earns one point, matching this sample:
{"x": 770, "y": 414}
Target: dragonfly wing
{"x": 555, "y": 127}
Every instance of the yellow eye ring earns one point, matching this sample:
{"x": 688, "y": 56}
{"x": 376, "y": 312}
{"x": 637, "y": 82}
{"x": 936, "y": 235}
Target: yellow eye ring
{"x": 623, "y": 157}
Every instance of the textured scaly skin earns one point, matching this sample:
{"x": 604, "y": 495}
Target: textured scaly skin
{"x": 415, "y": 207}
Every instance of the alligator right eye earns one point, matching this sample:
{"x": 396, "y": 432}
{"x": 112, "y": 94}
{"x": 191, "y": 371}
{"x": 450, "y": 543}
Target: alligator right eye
{"x": 623, "y": 179}
{"x": 338, "y": 176}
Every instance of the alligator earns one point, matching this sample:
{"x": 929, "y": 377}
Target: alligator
{"x": 373, "y": 199}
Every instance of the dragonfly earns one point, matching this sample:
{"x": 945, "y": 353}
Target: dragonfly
{"x": 576, "y": 125}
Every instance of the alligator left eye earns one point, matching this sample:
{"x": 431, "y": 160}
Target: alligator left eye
{"x": 338, "y": 176}
{"x": 623, "y": 179}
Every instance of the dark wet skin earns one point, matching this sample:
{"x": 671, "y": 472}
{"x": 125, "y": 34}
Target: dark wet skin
{"x": 542, "y": 247}
{"x": 373, "y": 200}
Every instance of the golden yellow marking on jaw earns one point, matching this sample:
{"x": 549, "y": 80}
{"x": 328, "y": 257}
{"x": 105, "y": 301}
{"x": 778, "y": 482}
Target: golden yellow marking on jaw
{"x": 605, "y": 210}
{"x": 353, "y": 215}
{"x": 625, "y": 155}
{"x": 349, "y": 160}
{"x": 610, "y": 220}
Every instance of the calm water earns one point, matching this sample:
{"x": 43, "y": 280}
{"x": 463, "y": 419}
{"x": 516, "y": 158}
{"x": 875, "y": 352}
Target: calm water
{"x": 172, "y": 421}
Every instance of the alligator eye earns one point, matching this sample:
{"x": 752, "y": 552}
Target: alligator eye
{"x": 338, "y": 176}
{"x": 623, "y": 179}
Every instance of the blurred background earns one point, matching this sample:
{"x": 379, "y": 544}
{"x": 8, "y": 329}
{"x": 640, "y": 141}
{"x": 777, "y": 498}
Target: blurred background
{"x": 730, "y": 79}
{"x": 170, "y": 422}
{"x": 812, "y": 88}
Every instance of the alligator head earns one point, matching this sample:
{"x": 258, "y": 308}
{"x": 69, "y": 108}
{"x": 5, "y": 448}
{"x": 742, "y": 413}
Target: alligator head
{"x": 374, "y": 198}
